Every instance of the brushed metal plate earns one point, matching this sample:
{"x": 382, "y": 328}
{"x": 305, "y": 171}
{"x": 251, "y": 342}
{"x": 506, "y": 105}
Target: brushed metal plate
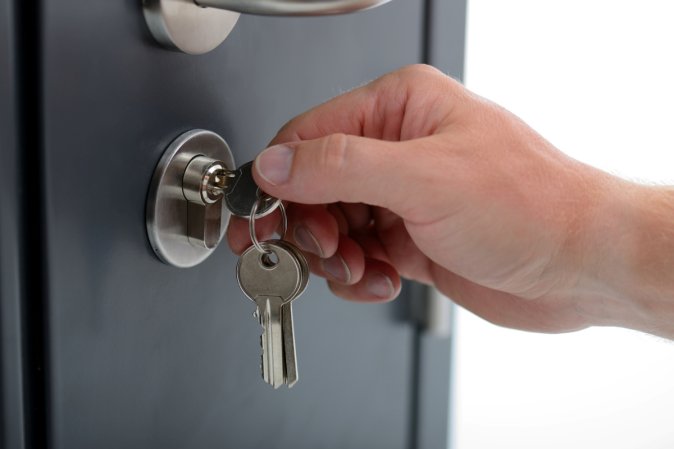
{"x": 166, "y": 210}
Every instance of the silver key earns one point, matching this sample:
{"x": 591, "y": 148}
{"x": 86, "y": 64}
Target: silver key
{"x": 269, "y": 310}
{"x": 273, "y": 281}
{"x": 287, "y": 316}
{"x": 242, "y": 193}
{"x": 272, "y": 297}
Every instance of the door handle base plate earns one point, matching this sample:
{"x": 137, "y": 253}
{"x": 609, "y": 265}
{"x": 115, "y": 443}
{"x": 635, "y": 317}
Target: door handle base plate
{"x": 183, "y": 25}
{"x": 167, "y": 208}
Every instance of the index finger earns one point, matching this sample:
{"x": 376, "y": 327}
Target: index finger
{"x": 393, "y": 107}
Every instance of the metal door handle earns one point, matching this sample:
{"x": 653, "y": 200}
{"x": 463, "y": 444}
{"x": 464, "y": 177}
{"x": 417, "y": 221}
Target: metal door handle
{"x": 199, "y": 26}
{"x": 292, "y": 7}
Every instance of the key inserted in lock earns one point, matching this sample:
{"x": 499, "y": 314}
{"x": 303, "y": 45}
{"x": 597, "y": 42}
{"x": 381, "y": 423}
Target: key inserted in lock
{"x": 204, "y": 181}
{"x": 186, "y": 217}
{"x": 194, "y": 191}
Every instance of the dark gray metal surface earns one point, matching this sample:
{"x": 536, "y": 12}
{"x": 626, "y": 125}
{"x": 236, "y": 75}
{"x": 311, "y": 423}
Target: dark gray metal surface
{"x": 446, "y": 35}
{"x": 11, "y": 385}
{"x": 144, "y": 355}
{"x": 433, "y": 414}
{"x": 445, "y": 40}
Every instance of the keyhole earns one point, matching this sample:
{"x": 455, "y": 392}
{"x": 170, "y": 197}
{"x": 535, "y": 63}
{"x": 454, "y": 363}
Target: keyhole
{"x": 269, "y": 260}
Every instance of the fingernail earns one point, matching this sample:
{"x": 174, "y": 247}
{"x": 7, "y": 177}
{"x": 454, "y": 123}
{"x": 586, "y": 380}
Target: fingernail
{"x": 306, "y": 240}
{"x": 380, "y": 285}
{"x": 274, "y": 164}
{"x": 336, "y": 268}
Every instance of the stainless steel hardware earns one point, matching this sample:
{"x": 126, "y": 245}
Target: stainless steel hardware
{"x": 199, "y": 26}
{"x": 185, "y": 216}
{"x": 292, "y": 7}
{"x": 202, "y": 188}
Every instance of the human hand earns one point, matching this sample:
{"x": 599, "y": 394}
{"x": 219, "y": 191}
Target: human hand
{"x": 412, "y": 175}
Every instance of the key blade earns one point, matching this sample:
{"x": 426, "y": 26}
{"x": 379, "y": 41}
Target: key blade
{"x": 263, "y": 317}
{"x": 273, "y": 361}
{"x": 289, "y": 353}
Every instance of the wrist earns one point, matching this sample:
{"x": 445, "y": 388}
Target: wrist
{"x": 649, "y": 282}
{"x": 631, "y": 279}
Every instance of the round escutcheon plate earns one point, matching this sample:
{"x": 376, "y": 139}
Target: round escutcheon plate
{"x": 183, "y": 25}
{"x": 166, "y": 212}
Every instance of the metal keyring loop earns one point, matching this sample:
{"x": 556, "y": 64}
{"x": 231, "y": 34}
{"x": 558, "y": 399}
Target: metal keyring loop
{"x": 251, "y": 224}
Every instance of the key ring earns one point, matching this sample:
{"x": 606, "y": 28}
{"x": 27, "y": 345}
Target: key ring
{"x": 251, "y": 223}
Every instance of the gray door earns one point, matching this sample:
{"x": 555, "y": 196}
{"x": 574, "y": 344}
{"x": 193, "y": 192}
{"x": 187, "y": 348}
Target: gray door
{"x": 123, "y": 351}
{"x": 11, "y": 382}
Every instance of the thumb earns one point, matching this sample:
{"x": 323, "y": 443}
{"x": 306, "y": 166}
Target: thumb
{"x": 338, "y": 168}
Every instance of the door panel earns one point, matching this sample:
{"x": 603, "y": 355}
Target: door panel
{"x": 146, "y": 355}
{"x": 11, "y": 385}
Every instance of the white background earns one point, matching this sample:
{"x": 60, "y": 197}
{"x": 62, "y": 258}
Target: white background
{"x": 597, "y": 79}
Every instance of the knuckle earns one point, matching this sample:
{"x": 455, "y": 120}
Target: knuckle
{"x": 409, "y": 73}
{"x": 414, "y": 75}
{"x": 415, "y": 71}
{"x": 335, "y": 153}
{"x": 432, "y": 79}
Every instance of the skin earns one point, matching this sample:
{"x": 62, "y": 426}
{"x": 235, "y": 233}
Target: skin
{"x": 414, "y": 176}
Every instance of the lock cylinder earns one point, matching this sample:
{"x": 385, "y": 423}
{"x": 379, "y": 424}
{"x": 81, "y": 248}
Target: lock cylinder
{"x": 185, "y": 215}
